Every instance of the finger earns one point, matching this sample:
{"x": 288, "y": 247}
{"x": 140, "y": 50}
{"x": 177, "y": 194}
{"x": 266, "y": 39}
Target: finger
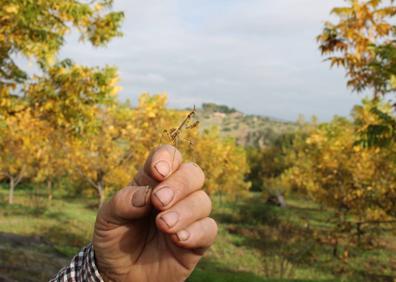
{"x": 199, "y": 235}
{"x": 194, "y": 207}
{"x": 186, "y": 180}
{"x": 127, "y": 204}
{"x": 161, "y": 163}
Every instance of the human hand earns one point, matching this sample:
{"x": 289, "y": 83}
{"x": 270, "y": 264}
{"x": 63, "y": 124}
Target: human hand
{"x": 156, "y": 234}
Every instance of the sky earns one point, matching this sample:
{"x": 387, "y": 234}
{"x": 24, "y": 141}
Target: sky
{"x": 258, "y": 56}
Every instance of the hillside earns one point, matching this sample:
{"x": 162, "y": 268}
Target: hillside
{"x": 249, "y": 130}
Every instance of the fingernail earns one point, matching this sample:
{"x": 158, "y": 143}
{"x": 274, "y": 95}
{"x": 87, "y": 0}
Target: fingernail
{"x": 171, "y": 218}
{"x": 163, "y": 168}
{"x": 139, "y": 198}
{"x": 165, "y": 195}
{"x": 183, "y": 235}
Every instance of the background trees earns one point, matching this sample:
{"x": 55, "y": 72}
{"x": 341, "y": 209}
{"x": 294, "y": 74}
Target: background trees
{"x": 66, "y": 121}
{"x": 107, "y": 154}
{"x": 346, "y": 164}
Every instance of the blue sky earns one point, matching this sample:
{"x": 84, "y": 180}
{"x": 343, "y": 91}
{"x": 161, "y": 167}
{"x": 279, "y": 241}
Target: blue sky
{"x": 259, "y": 56}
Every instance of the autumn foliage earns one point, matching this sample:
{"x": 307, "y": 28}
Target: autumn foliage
{"x": 107, "y": 156}
{"x": 361, "y": 40}
{"x": 330, "y": 166}
{"x": 65, "y": 122}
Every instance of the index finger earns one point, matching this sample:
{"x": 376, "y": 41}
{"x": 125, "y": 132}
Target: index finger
{"x": 161, "y": 163}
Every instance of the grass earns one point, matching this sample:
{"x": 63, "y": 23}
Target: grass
{"x": 256, "y": 242}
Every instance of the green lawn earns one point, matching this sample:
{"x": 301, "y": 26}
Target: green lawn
{"x": 256, "y": 242}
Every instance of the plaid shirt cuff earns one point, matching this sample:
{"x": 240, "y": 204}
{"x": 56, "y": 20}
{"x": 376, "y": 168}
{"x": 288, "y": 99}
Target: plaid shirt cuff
{"x": 81, "y": 269}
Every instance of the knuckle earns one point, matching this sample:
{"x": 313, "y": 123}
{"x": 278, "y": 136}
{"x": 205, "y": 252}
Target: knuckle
{"x": 171, "y": 150}
{"x": 209, "y": 201}
{"x": 204, "y": 200}
{"x": 210, "y": 228}
{"x": 195, "y": 170}
{"x": 214, "y": 225}
{"x": 167, "y": 153}
{"x": 113, "y": 207}
{"x": 179, "y": 182}
{"x": 153, "y": 152}
{"x": 117, "y": 198}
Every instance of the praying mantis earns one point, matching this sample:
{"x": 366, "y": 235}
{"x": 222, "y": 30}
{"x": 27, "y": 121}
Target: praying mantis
{"x": 174, "y": 134}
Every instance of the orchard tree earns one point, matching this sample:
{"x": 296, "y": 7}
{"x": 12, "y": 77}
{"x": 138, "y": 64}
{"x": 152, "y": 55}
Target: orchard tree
{"x": 153, "y": 121}
{"x": 21, "y": 143}
{"x": 362, "y": 41}
{"x": 375, "y": 124}
{"x": 104, "y": 157}
{"x": 68, "y": 95}
{"x": 52, "y": 163}
{"x": 37, "y": 30}
{"x": 268, "y": 163}
{"x": 113, "y": 151}
{"x": 335, "y": 171}
{"x": 224, "y": 162}
{"x": 62, "y": 92}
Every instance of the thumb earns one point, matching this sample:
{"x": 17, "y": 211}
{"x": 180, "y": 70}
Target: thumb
{"x": 130, "y": 203}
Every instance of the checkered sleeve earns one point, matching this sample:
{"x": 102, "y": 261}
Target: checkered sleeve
{"x": 81, "y": 269}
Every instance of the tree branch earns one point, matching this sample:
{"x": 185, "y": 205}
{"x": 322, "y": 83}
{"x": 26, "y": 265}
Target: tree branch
{"x": 87, "y": 178}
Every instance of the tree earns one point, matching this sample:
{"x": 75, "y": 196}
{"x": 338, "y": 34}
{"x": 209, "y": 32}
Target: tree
{"x": 335, "y": 171}
{"x": 212, "y": 107}
{"x": 21, "y": 142}
{"x": 37, "y": 30}
{"x": 104, "y": 157}
{"x": 268, "y": 163}
{"x": 52, "y": 163}
{"x": 225, "y": 163}
{"x": 376, "y": 124}
{"x": 62, "y": 93}
{"x": 68, "y": 95}
{"x": 362, "y": 41}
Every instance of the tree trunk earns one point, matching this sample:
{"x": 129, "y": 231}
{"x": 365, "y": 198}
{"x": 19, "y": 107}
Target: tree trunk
{"x": 11, "y": 191}
{"x": 100, "y": 187}
{"x": 100, "y": 190}
{"x": 49, "y": 189}
{"x": 335, "y": 247}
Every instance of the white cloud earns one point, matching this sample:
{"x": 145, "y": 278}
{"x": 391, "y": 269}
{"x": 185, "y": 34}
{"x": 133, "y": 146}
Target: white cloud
{"x": 259, "y": 56}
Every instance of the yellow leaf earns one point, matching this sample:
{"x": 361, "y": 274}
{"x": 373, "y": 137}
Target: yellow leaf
{"x": 11, "y": 9}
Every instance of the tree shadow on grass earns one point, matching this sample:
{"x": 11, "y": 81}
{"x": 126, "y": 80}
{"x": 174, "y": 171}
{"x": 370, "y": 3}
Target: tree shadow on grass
{"x": 21, "y": 210}
{"x": 248, "y": 212}
{"x": 209, "y": 270}
{"x": 287, "y": 233}
{"x": 64, "y": 240}
{"x": 28, "y": 258}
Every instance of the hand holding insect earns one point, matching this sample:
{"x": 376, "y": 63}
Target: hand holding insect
{"x": 157, "y": 234}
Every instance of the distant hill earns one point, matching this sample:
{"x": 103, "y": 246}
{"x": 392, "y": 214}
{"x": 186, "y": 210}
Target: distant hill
{"x": 249, "y": 130}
